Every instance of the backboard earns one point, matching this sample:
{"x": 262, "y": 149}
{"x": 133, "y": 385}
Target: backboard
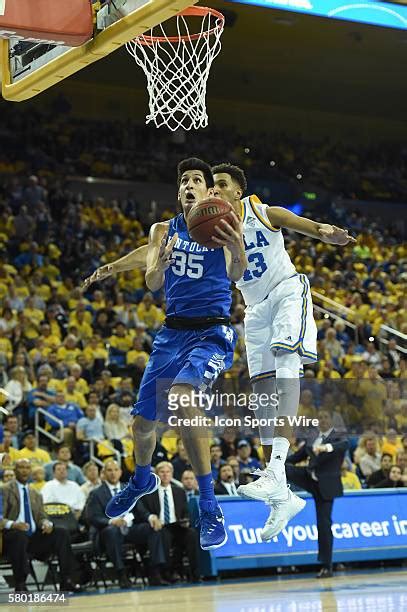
{"x": 40, "y": 48}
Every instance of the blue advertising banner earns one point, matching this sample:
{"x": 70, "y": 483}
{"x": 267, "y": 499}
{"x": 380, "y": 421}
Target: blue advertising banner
{"x": 360, "y": 521}
{"x": 386, "y": 14}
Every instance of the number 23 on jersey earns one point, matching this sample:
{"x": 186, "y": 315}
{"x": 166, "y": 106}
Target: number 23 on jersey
{"x": 256, "y": 270}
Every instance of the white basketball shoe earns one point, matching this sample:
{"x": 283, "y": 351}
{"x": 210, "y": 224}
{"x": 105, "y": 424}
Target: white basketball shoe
{"x": 270, "y": 487}
{"x": 280, "y": 514}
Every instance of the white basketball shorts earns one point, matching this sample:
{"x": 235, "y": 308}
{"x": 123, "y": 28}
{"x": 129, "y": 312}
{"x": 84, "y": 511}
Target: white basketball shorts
{"x": 283, "y": 321}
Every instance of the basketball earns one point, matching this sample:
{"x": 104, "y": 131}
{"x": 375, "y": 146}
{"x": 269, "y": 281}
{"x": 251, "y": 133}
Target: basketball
{"x": 203, "y": 217}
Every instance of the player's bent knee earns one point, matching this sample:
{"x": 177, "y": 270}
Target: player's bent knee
{"x": 142, "y": 426}
{"x": 288, "y": 365}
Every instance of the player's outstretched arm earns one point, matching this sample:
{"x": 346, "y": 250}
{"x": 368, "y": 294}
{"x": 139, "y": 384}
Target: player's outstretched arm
{"x": 230, "y": 236}
{"x": 281, "y": 217}
{"x": 134, "y": 259}
{"x": 159, "y": 255}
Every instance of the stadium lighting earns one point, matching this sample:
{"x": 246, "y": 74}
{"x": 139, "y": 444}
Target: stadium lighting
{"x": 384, "y": 13}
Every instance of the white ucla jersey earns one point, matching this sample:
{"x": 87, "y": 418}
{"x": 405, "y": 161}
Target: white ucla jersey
{"x": 268, "y": 261}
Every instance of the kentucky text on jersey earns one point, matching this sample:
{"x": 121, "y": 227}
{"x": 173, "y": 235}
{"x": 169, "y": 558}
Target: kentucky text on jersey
{"x": 196, "y": 285}
{"x": 191, "y": 247}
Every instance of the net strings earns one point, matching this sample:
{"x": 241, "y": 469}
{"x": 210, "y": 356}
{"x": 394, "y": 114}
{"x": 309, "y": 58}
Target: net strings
{"x": 177, "y": 72}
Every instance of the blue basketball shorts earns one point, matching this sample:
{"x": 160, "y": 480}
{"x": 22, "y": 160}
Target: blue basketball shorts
{"x": 193, "y": 357}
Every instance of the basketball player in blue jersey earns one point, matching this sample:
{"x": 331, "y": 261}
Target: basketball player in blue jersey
{"x": 279, "y": 325}
{"x": 280, "y": 330}
{"x": 195, "y": 344}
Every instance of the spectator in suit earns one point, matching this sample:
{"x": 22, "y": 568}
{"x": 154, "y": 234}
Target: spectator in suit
{"x": 180, "y": 461}
{"x": 379, "y": 475}
{"x": 225, "y": 484}
{"x": 26, "y": 530}
{"x": 322, "y": 478}
{"x": 394, "y": 479}
{"x": 190, "y": 484}
{"x": 140, "y": 528}
{"x": 169, "y": 506}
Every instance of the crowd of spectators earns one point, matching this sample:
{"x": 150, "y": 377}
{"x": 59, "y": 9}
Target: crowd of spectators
{"x": 60, "y": 143}
{"x": 76, "y": 359}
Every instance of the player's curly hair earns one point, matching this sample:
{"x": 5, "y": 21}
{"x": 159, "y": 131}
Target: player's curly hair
{"x": 235, "y": 172}
{"x": 194, "y": 163}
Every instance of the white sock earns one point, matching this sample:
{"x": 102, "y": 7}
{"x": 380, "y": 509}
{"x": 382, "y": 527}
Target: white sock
{"x": 278, "y": 457}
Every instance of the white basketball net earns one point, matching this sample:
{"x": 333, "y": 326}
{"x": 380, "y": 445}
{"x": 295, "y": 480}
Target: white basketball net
{"x": 177, "y": 68}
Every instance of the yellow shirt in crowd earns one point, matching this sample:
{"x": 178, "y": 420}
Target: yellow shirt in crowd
{"x": 350, "y": 481}
{"x": 121, "y": 343}
{"x": 133, "y": 355}
{"x": 68, "y": 355}
{"x": 39, "y": 456}
{"x": 152, "y": 318}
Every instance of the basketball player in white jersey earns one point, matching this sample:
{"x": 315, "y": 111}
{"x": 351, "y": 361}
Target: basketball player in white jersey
{"x": 279, "y": 327}
{"x": 280, "y": 331}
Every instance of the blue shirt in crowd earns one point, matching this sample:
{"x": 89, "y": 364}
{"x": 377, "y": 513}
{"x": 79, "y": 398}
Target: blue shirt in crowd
{"x": 92, "y": 428}
{"x": 67, "y": 413}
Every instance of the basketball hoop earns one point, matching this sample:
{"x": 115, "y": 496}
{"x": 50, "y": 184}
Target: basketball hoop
{"x": 177, "y": 67}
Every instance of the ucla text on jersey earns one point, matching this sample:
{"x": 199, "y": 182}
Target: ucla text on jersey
{"x": 268, "y": 261}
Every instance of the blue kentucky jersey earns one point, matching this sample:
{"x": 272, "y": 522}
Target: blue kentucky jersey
{"x": 196, "y": 285}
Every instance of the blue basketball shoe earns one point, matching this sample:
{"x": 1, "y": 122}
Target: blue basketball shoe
{"x": 212, "y": 531}
{"x": 127, "y": 498}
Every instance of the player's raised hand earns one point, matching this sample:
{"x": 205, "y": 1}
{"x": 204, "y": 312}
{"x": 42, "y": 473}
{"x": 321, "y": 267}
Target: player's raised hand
{"x": 98, "y": 275}
{"x": 334, "y": 235}
{"x": 165, "y": 258}
{"x": 229, "y": 234}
